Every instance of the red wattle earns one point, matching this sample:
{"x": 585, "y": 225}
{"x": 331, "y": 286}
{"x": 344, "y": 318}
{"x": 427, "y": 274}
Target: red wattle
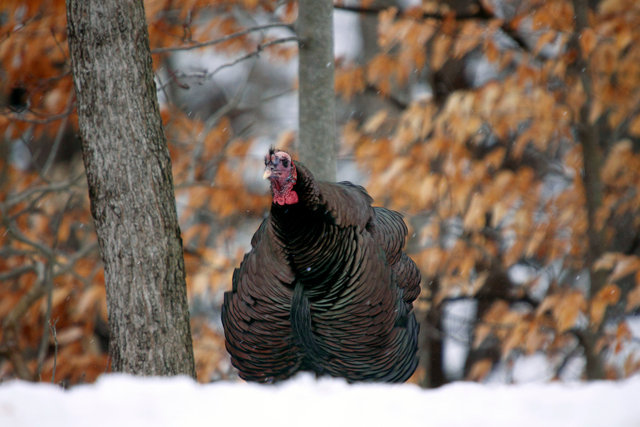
{"x": 288, "y": 198}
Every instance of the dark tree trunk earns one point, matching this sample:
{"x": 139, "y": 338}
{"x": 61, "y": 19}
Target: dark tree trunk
{"x": 130, "y": 186}
{"x": 317, "y": 117}
{"x": 591, "y": 158}
{"x": 431, "y": 349}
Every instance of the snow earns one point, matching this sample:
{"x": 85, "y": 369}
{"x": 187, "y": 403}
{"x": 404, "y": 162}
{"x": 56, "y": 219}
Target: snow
{"x": 121, "y": 400}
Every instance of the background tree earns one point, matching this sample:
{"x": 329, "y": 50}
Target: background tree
{"x": 130, "y": 188}
{"x": 317, "y": 140}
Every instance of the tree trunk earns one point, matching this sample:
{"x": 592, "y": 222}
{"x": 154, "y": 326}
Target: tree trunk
{"x": 317, "y": 117}
{"x": 131, "y": 188}
{"x": 431, "y": 347}
{"x": 591, "y": 155}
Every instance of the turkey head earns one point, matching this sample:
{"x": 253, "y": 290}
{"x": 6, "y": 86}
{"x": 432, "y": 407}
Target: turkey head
{"x": 281, "y": 171}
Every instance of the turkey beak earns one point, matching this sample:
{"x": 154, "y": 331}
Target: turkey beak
{"x": 267, "y": 173}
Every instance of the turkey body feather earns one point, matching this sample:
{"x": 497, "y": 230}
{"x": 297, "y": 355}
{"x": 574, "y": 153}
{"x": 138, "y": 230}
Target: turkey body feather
{"x": 325, "y": 288}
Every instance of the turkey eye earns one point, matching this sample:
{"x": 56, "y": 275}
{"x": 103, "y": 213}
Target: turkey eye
{"x": 285, "y": 163}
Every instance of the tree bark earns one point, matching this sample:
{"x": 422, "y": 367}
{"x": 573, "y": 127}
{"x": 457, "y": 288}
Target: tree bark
{"x": 130, "y": 187}
{"x": 431, "y": 347}
{"x": 591, "y": 154}
{"x": 317, "y": 117}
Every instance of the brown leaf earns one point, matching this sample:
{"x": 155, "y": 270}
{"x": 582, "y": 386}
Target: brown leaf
{"x": 441, "y": 51}
{"x": 386, "y": 20}
{"x": 623, "y": 335}
{"x": 374, "y": 122}
{"x": 546, "y": 38}
{"x": 606, "y": 261}
{"x": 469, "y": 38}
{"x": 564, "y": 308}
{"x": 567, "y": 310}
{"x": 609, "y": 294}
{"x": 349, "y": 81}
{"x": 479, "y": 282}
{"x": 88, "y": 301}
{"x": 68, "y": 335}
{"x": 491, "y": 50}
{"x": 494, "y": 316}
{"x": 633, "y": 298}
{"x": 634, "y": 126}
{"x": 536, "y": 241}
{"x": 625, "y": 266}
{"x": 516, "y": 338}
{"x": 536, "y": 338}
{"x": 480, "y": 370}
{"x": 588, "y": 41}
{"x": 474, "y": 219}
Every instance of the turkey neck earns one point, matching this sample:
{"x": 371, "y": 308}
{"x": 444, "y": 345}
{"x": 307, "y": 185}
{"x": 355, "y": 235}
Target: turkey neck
{"x": 307, "y": 240}
{"x": 313, "y": 244}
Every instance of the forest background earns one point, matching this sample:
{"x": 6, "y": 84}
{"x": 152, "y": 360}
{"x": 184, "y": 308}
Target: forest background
{"x": 507, "y": 133}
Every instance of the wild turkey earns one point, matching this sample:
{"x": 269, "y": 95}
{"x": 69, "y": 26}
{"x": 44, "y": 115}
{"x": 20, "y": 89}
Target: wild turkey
{"x": 325, "y": 288}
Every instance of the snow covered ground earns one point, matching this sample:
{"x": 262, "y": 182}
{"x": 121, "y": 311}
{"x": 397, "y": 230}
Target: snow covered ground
{"x": 120, "y": 400}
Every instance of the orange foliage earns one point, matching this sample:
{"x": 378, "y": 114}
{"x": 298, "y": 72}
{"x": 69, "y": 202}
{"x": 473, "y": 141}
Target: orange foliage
{"x": 349, "y": 81}
{"x": 477, "y": 166}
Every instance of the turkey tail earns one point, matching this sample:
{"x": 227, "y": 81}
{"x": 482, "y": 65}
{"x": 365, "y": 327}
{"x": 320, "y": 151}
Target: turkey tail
{"x": 301, "y": 326}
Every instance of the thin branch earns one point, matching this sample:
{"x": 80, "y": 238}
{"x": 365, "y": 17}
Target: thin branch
{"x": 209, "y": 124}
{"x": 27, "y": 300}
{"x": 623, "y": 127}
{"x": 207, "y": 75}
{"x": 222, "y": 39}
{"x": 15, "y": 356}
{"x": 61, "y": 49}
{"x": 48, "y": 278}
{"x": 575, "y": 351}
{"x": 20, "y": 26}
{"x": 55, "y": 349}
{"x": 17, "y": 234}
{"x": 19, "y": 117}
{"x": 81, "y": 253}
{"x": 58, "y": 139}
{"x": 10, "y": 325}
{"x": 49, "y": 188}
{"x": 44, "y": 340}
{"x": 16, "y": 272}
{"x": 482, "y": 13}
{"x": 360, "y": 9}
{"x": 256, "y": 52}
{"x": 394, "y": 100}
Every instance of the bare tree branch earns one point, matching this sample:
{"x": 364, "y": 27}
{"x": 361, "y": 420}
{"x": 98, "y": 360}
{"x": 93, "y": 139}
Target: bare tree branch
{"x": 59, "y": 135}
{"x": 16, "y": 272}
{"x": 256, "y": 52}
{"x": 174, "y": 78}
{"x": 49, "y": 188}
{"x": 481, "y": 13}
{"x": 47, "y": 118}
{"x": 10, "y": 325}
{"x": 27, "y": 300}
{"x": 44, "y": 340}
{"x": 54, "y": 334}
{"x": 222, "y": 39}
